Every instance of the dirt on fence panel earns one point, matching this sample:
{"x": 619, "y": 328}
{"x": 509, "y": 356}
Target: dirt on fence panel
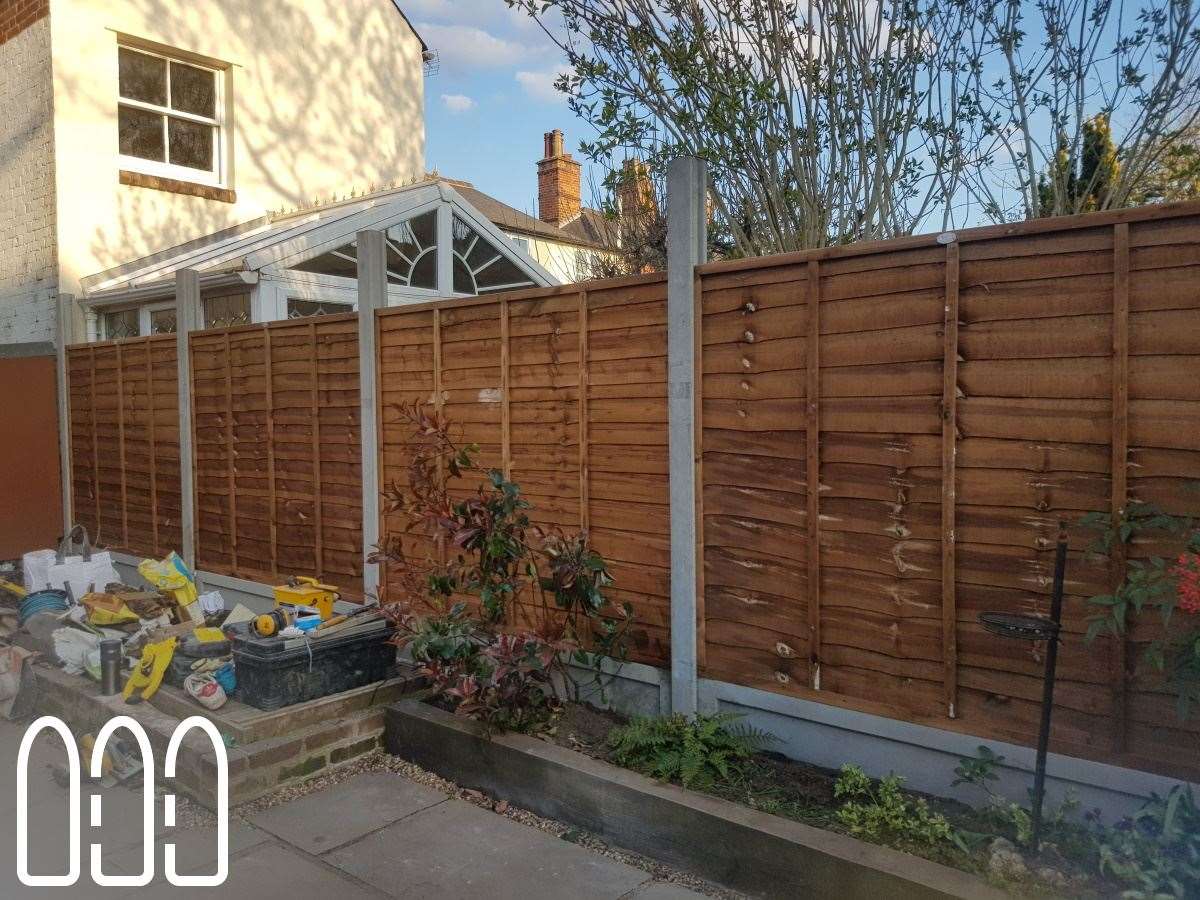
{"x": 124, "y": 426}
{"x": 958, "y": 398}
{"x": 565, "y": 390}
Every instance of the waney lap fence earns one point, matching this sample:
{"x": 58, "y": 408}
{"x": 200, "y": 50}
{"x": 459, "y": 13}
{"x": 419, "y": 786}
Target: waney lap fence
{"x": 565, "y": 390}
{"x": 888, "y": 436}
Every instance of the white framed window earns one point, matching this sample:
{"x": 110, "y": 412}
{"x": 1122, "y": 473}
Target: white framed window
{"x": 120, "y": 323}
{"x": 170, "y": 116}
{"x": 300, "y": 308}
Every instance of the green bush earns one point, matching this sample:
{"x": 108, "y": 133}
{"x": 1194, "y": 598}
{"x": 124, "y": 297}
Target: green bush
{"x": 884, "y": 814}
{"x": 695, "y": 752}
{"x": 1156, "y": 852}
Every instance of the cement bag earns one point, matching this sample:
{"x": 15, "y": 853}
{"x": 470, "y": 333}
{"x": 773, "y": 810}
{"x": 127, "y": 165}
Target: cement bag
{"x": 77, "y": 568}
{"x": 36, "y": 569}
{"x": 172, "y": 575}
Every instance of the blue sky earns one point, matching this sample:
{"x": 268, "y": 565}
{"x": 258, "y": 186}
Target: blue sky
{"x": 493, "y": 98}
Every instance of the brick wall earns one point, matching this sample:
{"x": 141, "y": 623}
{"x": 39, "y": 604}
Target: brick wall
{"x": 17, "y": 15}
{"x": 558, "y": 183}
{"x": 28, "y": 258}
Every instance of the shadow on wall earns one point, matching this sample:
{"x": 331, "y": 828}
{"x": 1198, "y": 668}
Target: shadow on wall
{"x": 327, "y": 99}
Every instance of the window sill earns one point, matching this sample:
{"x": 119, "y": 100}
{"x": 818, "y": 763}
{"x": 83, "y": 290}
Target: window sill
{"x": 175, "y": 186}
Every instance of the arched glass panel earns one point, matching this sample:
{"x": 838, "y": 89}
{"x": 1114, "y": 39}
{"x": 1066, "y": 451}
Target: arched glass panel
{"x": 479, "y": 268}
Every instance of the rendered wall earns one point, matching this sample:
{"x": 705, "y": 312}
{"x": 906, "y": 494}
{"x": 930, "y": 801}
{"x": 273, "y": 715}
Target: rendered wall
{"x": 326, "y": 97}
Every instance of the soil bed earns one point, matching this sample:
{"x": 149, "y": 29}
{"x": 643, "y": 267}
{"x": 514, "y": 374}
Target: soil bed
{"x": 776, "y": 784}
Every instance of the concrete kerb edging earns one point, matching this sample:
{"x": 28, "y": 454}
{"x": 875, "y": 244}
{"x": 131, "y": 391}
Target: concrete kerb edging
{"x": 732, "y": 845}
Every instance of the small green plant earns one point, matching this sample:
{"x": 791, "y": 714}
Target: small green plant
{"x": 978, "y": 770}
{"x": 1156, "y": 852}
{"x": 884, "y": 814}
{"x": 695, "y": 752}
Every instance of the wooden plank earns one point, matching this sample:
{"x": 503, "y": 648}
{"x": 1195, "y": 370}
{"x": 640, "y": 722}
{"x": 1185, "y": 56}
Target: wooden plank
{"x": 318, "y": 519}
{"x": 231, "y": 460}
{"x": 584, "y": 480}
{"x": 153, "y": 438}
{"x": 269, "y": 388}
{"x": 812, "y": 428}
{"x": 121, "y": 445}
{"x": 438, "y": 405}
{"x": 95, "y": 535}
{"x": 505, "y": 409}
{"x": 949, "y": 449}
{"x": 1120, "y": 463}
{"x": 698, "y": 468}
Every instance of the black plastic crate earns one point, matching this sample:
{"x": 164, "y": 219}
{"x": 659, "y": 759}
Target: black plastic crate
{"x": 270, "y": 676}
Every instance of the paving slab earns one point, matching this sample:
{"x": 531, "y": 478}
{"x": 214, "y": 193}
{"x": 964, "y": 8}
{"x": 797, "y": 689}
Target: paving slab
{"x": 459, "y": 850}
{"x": 269, "y": 871}
{"x": 324, "y": 820}
{"x": 195, "y": 848}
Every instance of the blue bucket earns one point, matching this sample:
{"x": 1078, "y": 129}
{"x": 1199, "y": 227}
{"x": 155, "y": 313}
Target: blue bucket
{"x": 47, "y": 601}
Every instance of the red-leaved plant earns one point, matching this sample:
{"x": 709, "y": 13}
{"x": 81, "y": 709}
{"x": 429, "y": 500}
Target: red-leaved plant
{"x": 494, "y": 613}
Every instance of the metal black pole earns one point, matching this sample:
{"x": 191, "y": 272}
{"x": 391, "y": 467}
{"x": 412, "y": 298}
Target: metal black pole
{"x": 1039, "y": 778}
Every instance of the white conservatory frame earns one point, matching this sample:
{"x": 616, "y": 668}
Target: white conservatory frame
{"x": 261, "y": 254}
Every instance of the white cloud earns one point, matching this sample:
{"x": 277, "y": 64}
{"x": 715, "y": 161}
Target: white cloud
{"x": 464, "y": 46}
{"x": 458, "y": 103}
{"x": 540, "y": 85}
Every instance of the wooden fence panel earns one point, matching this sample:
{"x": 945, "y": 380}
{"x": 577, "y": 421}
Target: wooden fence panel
{"x": 565, "y": 390}
{"x": 124, "y": 425}
{"x": 277, "y": 451}
{"x": 959, "y": 399}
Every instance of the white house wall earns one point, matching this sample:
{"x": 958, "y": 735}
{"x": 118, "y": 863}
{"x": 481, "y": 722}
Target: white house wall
{"x": 324, "y": 97}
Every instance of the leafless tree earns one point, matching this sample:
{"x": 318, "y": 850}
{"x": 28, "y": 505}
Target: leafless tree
{"x": 1040, "y": 73}
{"x": 821, "y": 124}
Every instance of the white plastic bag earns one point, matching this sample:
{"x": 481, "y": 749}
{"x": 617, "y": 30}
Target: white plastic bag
{"x": 35, "y": 568}
{"x": 77, "y": 568}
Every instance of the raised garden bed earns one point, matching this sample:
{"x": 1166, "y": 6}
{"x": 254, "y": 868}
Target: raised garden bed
{"x": 744, "y": 849}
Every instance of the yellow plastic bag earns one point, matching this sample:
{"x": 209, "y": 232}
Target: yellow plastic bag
{"x": 172, "y": 576}
{"x": 107, "y": 609}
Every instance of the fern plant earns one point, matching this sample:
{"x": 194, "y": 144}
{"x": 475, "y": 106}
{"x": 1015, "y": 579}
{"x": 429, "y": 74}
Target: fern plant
{"x": 695, "y": 752}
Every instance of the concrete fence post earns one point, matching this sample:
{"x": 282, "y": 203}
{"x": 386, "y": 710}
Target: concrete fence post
{"x": 187, "y": 320}
{"x": 65, "y": 335}
{"x": 372, "y": 295}
{"x": 687, "y": 241}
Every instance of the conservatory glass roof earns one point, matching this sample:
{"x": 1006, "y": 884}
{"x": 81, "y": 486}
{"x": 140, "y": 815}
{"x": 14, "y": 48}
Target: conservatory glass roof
{"x": 437, "y": 245}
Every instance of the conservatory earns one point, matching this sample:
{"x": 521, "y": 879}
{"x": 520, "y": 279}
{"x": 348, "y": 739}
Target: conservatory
{"x": 305, "y": 263}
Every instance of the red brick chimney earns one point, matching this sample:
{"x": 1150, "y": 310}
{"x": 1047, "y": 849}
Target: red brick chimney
{"x": 558, "y": 183}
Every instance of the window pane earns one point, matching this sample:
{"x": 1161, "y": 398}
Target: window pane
{"x": 479, "y": 267}
{"x": 424, "y": 273}
{"x": 191, "y": 144}
{"x": 342, "y": 262}
{"x": 415, "y": 235}
{"x": 142, "y": 77}
{"x": 162, "y": 321}
{"x": 501, "y": 275}
{"x": 464, "y": 281}
{"x": 299, "y": 309}
{"x": 121, "y": 324}
{"x": 140, "y": 133}
{"x": 193, "y": 90}
{"x": 226, "y": 310}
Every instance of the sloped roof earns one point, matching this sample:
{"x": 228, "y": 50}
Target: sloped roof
{"x": 586, "y": 231}
{"x": 273, "y": 242}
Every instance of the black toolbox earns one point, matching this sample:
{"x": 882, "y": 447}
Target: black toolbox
{"x": 275, "y": 672}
